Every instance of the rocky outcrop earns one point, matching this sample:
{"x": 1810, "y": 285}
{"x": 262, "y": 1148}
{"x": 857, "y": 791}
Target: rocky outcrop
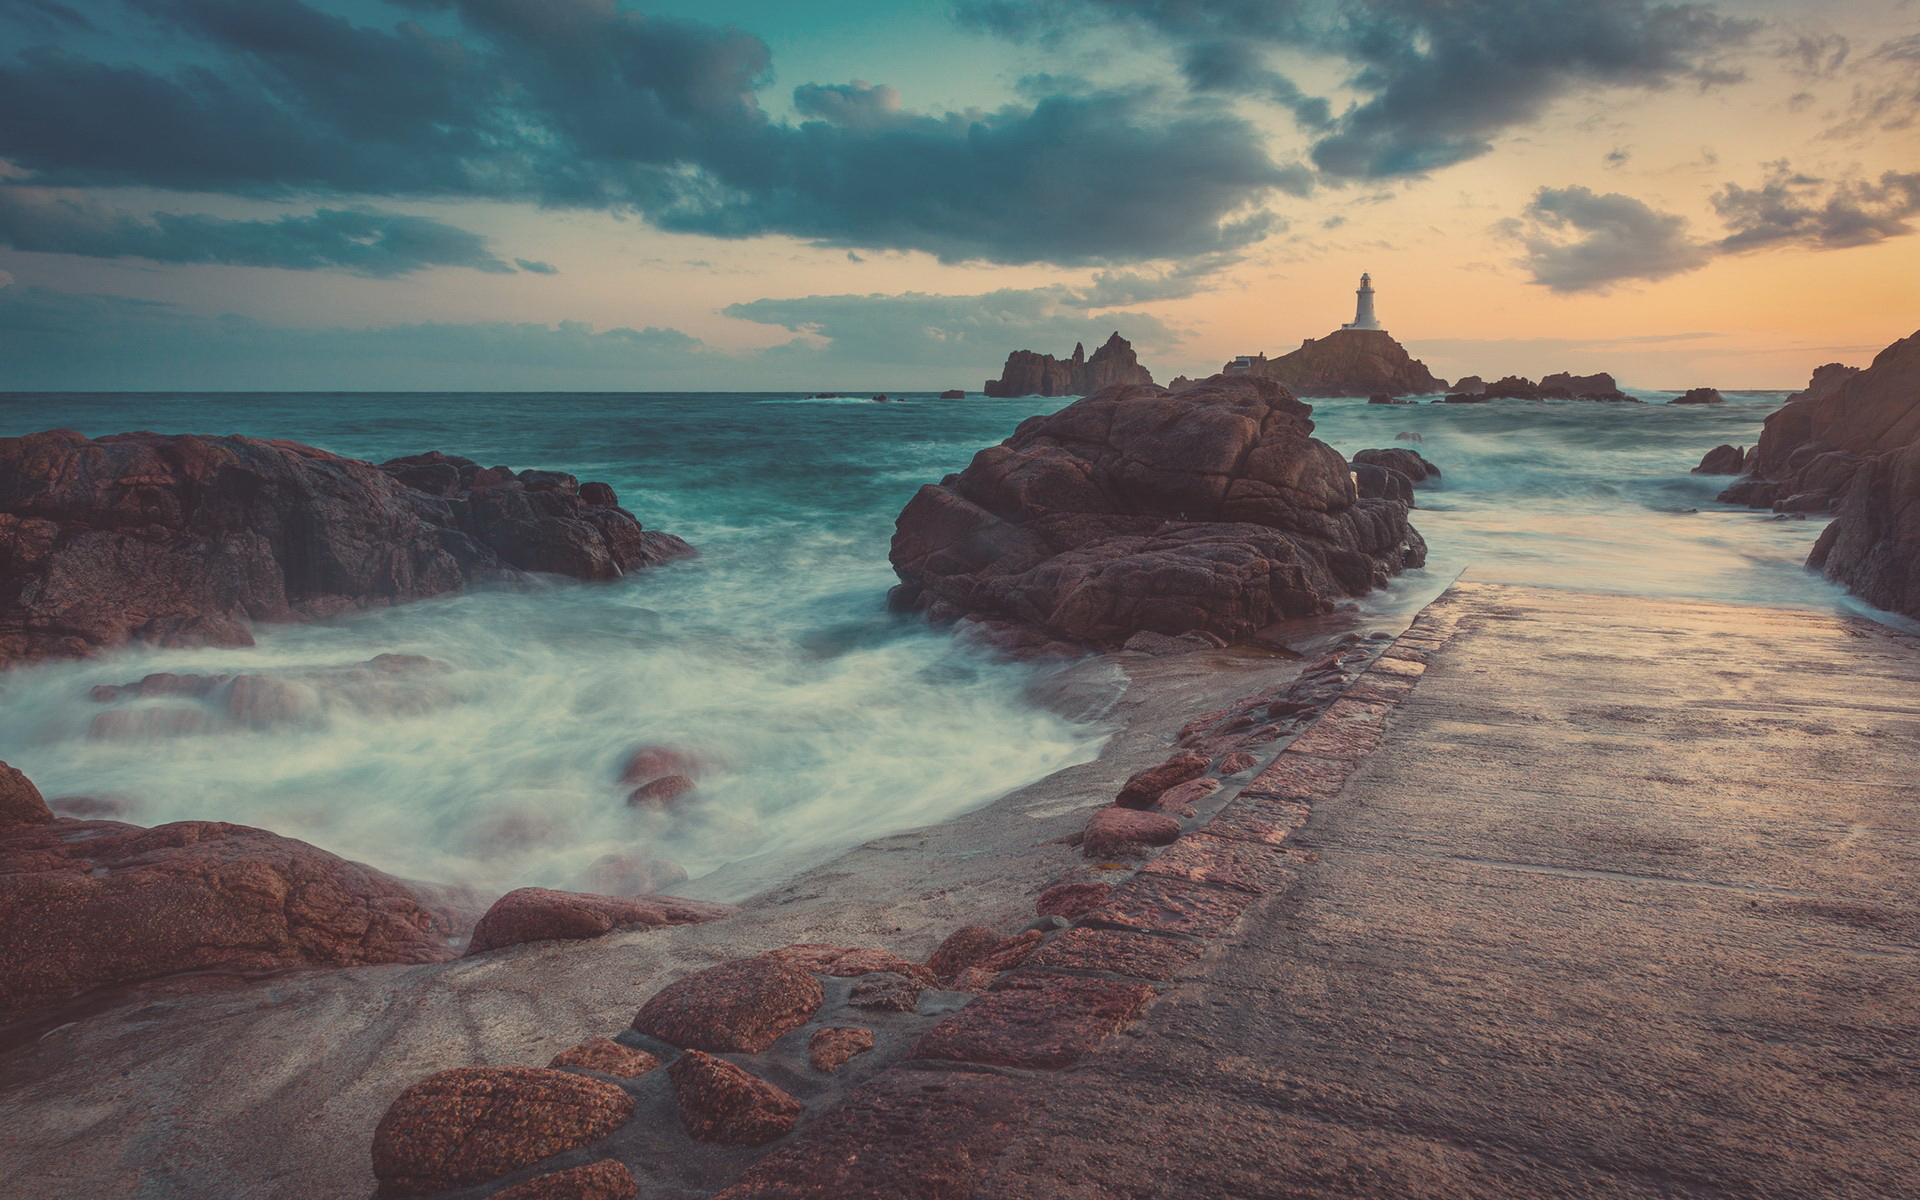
{"x": 1702, "y": 395}
{"x": 541, "y": 915}
{"x": 1031, "y": 374}
{"x": 1472, "y": 385}
{"x": 1850, "y": 444}
{"x": 727, "y": 1104}
{"x": 93, "y": 904}
{"x": 1351, "y": 362}
{"x": 1138, "y": 510}
{"x": 20, "y": 801}
{"x": 185, "y": 539}
{"x": 1511, "y": 387}
{"x": 1872, "y": 547}
{"x": 1565, "y": 386}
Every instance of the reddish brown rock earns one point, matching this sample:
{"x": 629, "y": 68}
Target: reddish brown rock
{"x": 743, "y": 1005}
{"x": 1071, "y": 900}
{"x": 608, "y": 1057}
{"x": 89, "y": 904}
{"x": 1124, "y": 832}
{"x": 1159, "y": 905}
{"x": 834, "y": 1046}
{"x": 185, "y": 539}
{"x": 1118, "y": 952}
{"x": 652, "y": 762}
{"x": 727, "y": 1105}
{"x": 1352, "y": 362}
{"x": 885, "y": 993}
{"x": 963, "y": 948}
{"x": 1237, "y": 762}
{"x": 1035, "y": 1019}
{"x": 662, "y": 793}
{"x": 20, "y": 801}
{"x": 604, "y": 1180}
{"x": 907, "y": 1135}
{"x": 1134, "y": 510}
{"x": 1144, "y": 787}
{"x": 1236, "y": 863}
{"x": 543, "y": 915}
{"x": 1181, "y": 801}
{"x": 1011, "y": 952}
{"x": 472, "y": 1124}
{"x": 848, "y": 961}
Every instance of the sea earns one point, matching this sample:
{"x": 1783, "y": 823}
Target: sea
{"x": 820, "y": 719}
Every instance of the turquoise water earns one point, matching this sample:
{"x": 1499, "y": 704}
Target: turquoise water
{"x": 822, "y": 719}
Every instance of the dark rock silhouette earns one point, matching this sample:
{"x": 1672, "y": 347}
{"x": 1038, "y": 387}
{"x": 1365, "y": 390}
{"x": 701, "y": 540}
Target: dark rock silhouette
{"x": 1701, "y": 395}
{"x": 1031, "y": 374}
{"x": 188, "y": 539}
{"x": 1721, "y": 460}
{"x": 1136, "y": 509}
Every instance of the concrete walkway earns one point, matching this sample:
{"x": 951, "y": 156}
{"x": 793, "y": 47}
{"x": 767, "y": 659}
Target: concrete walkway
{"x": 1626, "y": 903}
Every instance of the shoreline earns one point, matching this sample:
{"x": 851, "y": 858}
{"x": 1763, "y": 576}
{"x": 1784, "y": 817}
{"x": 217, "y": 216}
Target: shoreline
{"x": 307, "y": 1061}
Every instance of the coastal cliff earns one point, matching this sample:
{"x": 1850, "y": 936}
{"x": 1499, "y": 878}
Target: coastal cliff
{"x": 1031, "y": 374}
{"x": 1351, "y": 362}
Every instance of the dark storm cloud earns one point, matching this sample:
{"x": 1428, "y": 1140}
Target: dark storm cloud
{"x": 1437, "y": 81}
{"x": 1578, "y": 240}
{"x": 362, "y": 241}
{"x": 578, "y": 103}
{"x": 1794, "y": 209}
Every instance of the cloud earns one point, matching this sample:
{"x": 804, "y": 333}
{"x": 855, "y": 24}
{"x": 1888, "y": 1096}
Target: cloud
{"x": 1794, "y": 209}
{"x": 973, "y": 333}
{"x": 363, "y": 241}
{"x": 1578, "y": 240}
{"x": 60, "y": 341}
{"x": 45, "y": 17}
{"x": 1437, "y": 81}
{"x": 535, "y": 267}
{"x": 579, "y": 103}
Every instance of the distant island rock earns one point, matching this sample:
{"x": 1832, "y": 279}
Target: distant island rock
{"x": 953, "y": 394}
{"x": 1213, "y": 511}
{"x": 1699, "y": 395}
{"x": 1562, "y": 385}
{"x": 187, "y": 539}
{"x": 1346, "y": 362}
{"x": 1031, "y": 374}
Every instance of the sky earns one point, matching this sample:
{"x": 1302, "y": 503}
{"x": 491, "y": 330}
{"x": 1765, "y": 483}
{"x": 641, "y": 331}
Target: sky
{"x": 748, "y": 195}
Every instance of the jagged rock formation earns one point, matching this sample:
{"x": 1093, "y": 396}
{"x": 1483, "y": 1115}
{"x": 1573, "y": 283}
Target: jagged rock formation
{"x": 1565, "y": 386}
{"x": 1139, "y": 510}
{"x": 1351, "y": 362}
{"x": 1850, "y": 444}
{"x": 1031, "y": 374}
{"x": 185, "y": 539}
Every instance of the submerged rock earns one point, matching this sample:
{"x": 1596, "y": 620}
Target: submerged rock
{"x": 1135, "y": 509}
{"x": 187, "y": 539}
{"x": 542, "y": 915}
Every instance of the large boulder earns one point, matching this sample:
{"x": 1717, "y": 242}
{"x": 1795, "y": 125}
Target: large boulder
{"x": 1140, "y": 510}
{"x": 1351, "y": 362}
{"x": 1029, "y": 374}
{"x": 20, "y": 801}
{"x": 1410, "y": 463}
{"x": 182, "y": 539}
{"x": 1722, "y": 460}
{"x": 93, "y": 904}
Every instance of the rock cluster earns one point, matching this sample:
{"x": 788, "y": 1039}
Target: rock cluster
{"x": 1561, "y": 385}
{"x": 1031, "y": 374}
{"x": 93, "y": 904}
{"x": 1135, "y": 509}
{"x": 185, "y": 539}
{"x": 1849, "y": 445}
{"x": 1351, "y": 362}
{"x": 1701, "y": 395}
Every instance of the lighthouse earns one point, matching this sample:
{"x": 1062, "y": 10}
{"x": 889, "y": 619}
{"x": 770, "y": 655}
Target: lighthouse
{"x": 1363, "y": 317}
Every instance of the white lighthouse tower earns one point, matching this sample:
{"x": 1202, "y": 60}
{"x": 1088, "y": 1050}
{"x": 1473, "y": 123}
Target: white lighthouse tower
{"x": 1363, "y": 317}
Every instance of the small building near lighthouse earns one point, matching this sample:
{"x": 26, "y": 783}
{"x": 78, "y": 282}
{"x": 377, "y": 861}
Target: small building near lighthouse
{"x": 1363, "y": 316}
